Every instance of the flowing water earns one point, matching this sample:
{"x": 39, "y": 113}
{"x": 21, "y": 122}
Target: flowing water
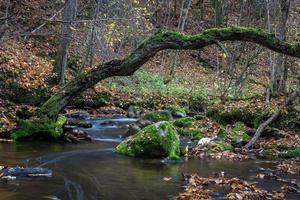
{"x": 92, "y": 170}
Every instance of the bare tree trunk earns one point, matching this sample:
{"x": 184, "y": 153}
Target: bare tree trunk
{"x": 65, "y": 40}
{"x": 219, "y": 15}
{"x": 201, "y": 4}
{"x": 161, "y": 40}
{"x": 278, "y": 66}
{"x": 181, "y": 24}
{"x": 90, "y": 44}
{"x": 4, "y": 25}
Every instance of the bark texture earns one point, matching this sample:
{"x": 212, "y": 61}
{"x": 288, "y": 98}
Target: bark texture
{"x": 65, "y": 40}
{"x": 162, "y": 40}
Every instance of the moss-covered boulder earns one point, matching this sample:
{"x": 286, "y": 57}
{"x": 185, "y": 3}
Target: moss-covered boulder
{"x": 158, "y": 140}
{"x": 41, "y": 129}
{"x": 158, "y": 116}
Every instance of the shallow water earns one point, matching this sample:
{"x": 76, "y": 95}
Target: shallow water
{"x": 92, "y": 170}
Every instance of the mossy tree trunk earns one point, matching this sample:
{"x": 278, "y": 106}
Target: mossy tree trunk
{"x": 162, "y": 40}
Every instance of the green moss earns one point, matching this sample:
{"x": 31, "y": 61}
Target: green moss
{"x": 78, "y": 102}
{"x": 239, "y": 134}
{"x": 267, "y": 154}
{"x": 199, "y": 117}
{"x": 220, "y": 146}
{"x": 292, "y": 153}
{"x": 42, "y": 129}
{"x": 51, "y": 107}
{"x": 222, "y": 133}
{"x": 176, "y": 108}
{"x": 84, "y": 124}
{"x": 101, "y": 99}
{"x": 195, "y": 134}
{"x": 239, "y": 128}
{"x": 208, "y": 36}
{"x": 157, "y": 140}
{"x": 247, "y": 115}
{"x": 186, "y": 127}
{"x": 158, "y": 116}
{"x": 184, "y": 122}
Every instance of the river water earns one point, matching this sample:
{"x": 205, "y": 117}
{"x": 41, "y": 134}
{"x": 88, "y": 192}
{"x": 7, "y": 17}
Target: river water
{"x": 92, "y": 170}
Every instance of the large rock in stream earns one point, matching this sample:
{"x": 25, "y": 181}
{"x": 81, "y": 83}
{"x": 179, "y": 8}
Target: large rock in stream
{"x": 158, "y": 140}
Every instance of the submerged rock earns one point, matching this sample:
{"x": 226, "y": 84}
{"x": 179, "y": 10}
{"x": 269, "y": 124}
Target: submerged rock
{"x": 11, "y": 172}
{"x": 79, "y": 123}
{"x": 83, "y": 115}
{"x": 158, "y": 140}
{"x": 74, "y": 134}
{"x": 132, "y": 130}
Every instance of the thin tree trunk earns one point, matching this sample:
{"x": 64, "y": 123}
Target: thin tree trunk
{"x": 181, "y": 24}
{"x": 90, "y": 44}
{"x": 4, "y": 26}
{"x": 278, "y": 66}
{"x": 65, "y": 40}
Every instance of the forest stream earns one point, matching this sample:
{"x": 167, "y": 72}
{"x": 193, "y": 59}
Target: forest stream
{"x": 92, "y": 170}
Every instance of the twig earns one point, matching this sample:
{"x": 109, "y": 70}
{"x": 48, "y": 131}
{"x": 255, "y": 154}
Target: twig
{"x": 88, "y": 20}
{"x": 42, "y": 25}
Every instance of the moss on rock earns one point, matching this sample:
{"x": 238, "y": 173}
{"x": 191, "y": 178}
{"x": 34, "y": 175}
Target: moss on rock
{"x": 292, "y": 153}
{"x": 177, "y": 111}
{"x": 156, "y": 140}
{"x": 239, "y": 133}
{"x": 247, "y": 114}
{"x": 195, "y": 134}
{"x": 158, "y": 116}
{"x": 220, "y": 146}
{"x": 42, "y": 129}
{"x": 184, "y": 122}
{"x": 222, "y": 133}
{"x": 187, "y": 127}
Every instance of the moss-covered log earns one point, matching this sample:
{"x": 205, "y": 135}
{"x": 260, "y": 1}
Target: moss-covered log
{"x": 162, "y": 40}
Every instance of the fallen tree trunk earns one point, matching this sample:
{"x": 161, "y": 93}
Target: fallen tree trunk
{"x": 162, "y": 40}
{"x": 292, "y": 97}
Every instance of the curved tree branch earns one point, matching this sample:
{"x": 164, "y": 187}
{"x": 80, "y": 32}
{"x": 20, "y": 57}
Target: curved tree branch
{"x": 162, "y": 40}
